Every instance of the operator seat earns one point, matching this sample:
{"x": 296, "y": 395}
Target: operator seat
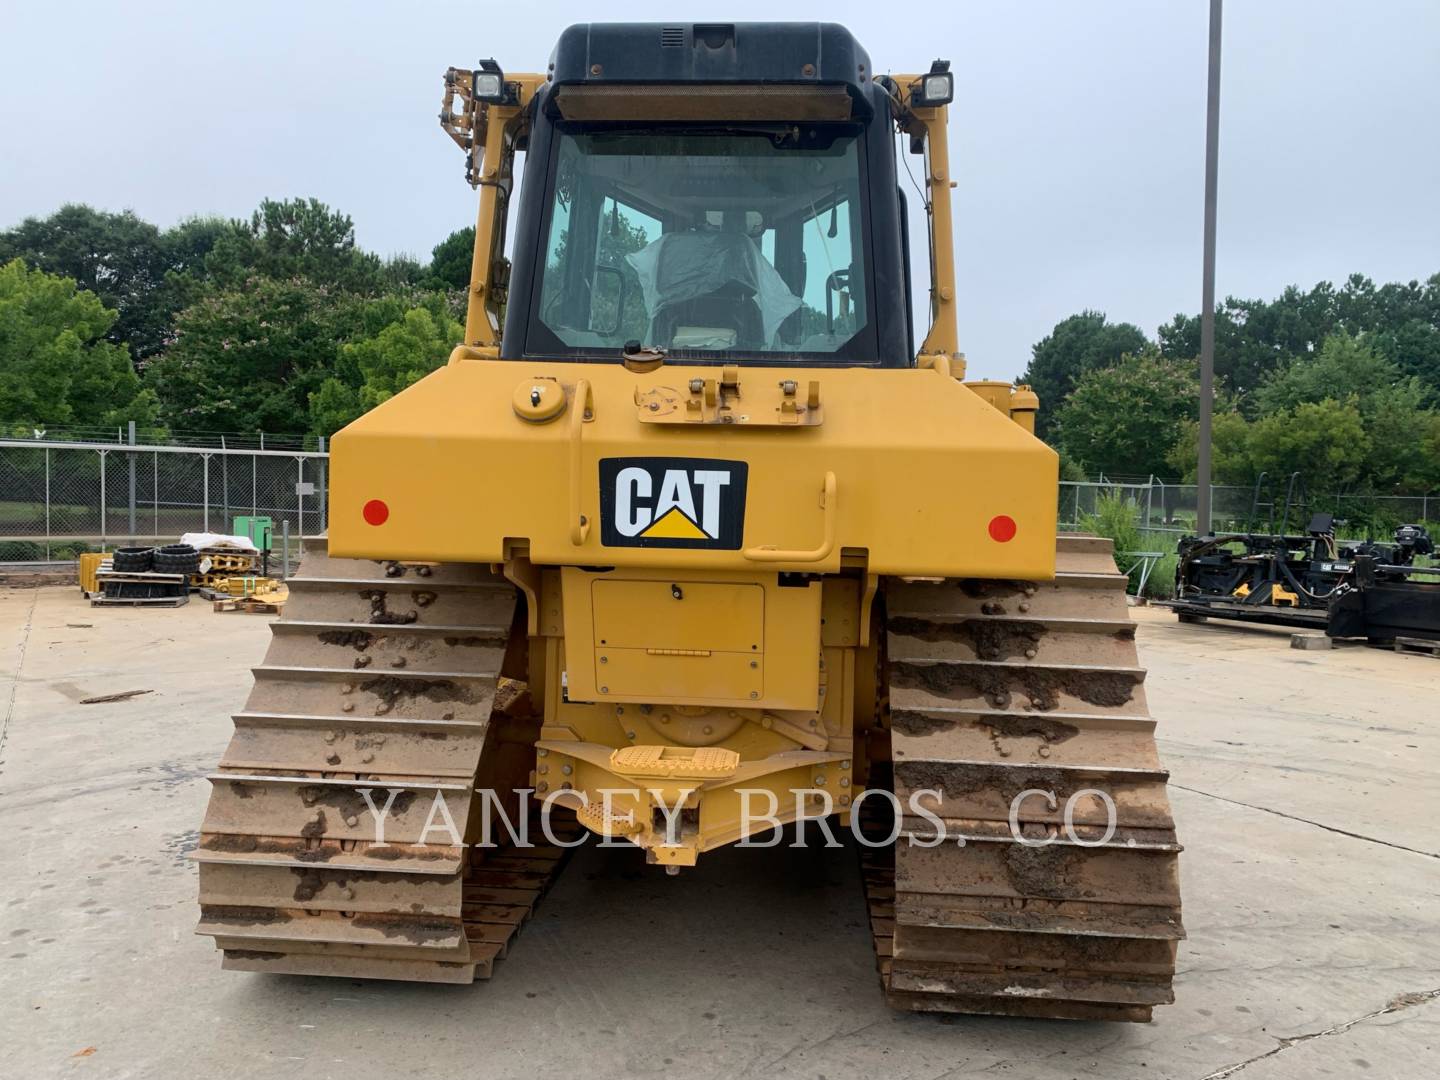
{"x": 705, "y": 280}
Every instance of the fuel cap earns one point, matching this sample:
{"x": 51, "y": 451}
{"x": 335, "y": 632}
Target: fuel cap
{"x": 539, "y": 400}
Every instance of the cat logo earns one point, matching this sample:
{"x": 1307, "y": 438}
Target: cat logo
{"x": 672, "y": 502}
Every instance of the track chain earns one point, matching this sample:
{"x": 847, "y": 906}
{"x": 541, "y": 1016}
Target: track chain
{"x": 386, "y": 679}
{"x": 997, "y": 688}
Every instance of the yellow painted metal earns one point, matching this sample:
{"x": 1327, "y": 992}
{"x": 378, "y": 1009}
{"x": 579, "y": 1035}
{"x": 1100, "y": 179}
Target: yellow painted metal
{"x": 497, "y": 126}
{"x": 715, "y": 401}
{"x": 993, "y": 393}
{"x": 538, "y": 400}
{"x": 672, "y": 677}
{"x": 921, "y": 466}
{"x": 676, "y": 762}
{"x": 1020, "y": 403}
{"x": 89, "y": 562}
{"x": 618, "y": 763}
{"x": 1024, "y": 404}
{"x": 726, "y": 639}
{"x": 804, "y": 783}
{"x": 942, "y": 340}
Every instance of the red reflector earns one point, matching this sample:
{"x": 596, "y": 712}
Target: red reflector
{"x": 1002, "y": 529}
{"x": 376, "y": 513}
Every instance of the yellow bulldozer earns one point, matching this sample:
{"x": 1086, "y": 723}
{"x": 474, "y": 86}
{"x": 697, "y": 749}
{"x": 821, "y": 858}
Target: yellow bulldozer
{"x": 690, "y": 541}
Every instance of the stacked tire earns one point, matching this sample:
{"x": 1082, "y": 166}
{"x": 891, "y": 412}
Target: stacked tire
{"x": 133, "y": 560}
{"x": 176, "y": 559}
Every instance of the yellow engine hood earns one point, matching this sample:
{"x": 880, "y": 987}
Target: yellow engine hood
{"x": 925, "y": 473}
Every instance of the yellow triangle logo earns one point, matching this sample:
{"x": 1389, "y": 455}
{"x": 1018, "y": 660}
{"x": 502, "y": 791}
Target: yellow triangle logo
{"x": 674, "y": 525}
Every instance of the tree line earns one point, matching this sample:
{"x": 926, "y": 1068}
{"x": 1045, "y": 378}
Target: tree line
{"x": 276, "y": 323}
{"x": 281, "y": 323}
{"x": 1339, "y": 384}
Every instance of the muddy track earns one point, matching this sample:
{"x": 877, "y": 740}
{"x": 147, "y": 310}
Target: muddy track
{"x": 998, "y": 692}
{"x": 381, "y": 687}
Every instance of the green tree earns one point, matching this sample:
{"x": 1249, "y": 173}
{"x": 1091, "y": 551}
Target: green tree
{"x": 1079, "y": 344}
{"x": 450, "y": 260}
{"x": 55, "y": 365}
{"x": 292, "y": 238}
{"x": 1324, "y": 441}
{"x": 1427, "y": 459}
{"x": 379, "y": 366}
{"x": 120, "y": 258}
{"x": 1391, "y": 406}
{"x": 1414, "y": 347}
{"x": 247, "y": 359}
{"x": 403, "y": 272}
{"x": 1254, "y": 338}
{"x": 1124, "y": 419}
{"x": 1230, "y": 461}
{"x": 1344, "y": 367}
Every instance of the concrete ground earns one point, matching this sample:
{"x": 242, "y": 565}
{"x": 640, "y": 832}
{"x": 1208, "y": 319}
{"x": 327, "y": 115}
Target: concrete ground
{"x": 1305, "y": 787}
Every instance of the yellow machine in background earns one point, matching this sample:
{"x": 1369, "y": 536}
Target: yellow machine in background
{"x": 697, "y": 542}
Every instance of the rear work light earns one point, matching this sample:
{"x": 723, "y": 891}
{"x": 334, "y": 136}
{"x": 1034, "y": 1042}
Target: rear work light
{"x": 487, "y": 83}
{"x": 936, "y": 88}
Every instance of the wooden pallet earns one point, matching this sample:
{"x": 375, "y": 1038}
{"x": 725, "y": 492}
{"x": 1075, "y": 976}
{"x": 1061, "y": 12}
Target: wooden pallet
{"x": 131, "y": 601}
{"x": 108, "y": 576}
{"x": 1418, "y": 646}
{"x": 250, "y": 605}
{"x": 148, "y": 577}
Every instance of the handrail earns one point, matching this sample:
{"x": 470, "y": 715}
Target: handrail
{"x": 829, "y": 502}
{"x": 580, "y": 411}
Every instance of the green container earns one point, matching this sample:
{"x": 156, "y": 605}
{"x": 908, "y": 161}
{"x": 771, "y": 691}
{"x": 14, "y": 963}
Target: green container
{"x": 257, "y": 529}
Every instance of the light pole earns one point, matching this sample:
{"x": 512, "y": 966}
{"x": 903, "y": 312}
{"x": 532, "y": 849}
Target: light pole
{"x": 1207, "y": 302}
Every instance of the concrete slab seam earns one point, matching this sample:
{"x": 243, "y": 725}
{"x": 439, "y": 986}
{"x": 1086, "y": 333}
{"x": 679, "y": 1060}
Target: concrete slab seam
{"x": 1395, "y": 1004}
{"x": 1308, "y": 821}
{"x": 15, "y": 682}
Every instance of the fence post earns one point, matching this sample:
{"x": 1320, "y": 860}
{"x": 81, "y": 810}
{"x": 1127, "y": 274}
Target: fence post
{"x": 323, "y": 464}
{"x": 225, "y": 484}
{"x": 205, "y": 488}
{"x": 254, "y": 485}
{"x": 47, "y": 504}
{"x": 131, "y": 456}
{"x": 285, "y": 554}
{"x": 102, "y": 454}
{"x": 299, "y": 498}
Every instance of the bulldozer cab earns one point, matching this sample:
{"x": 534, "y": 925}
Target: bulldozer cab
{"x": 710, "y": 199}
{"x": 724, "y": 193}
{"x": 714, "y": 245}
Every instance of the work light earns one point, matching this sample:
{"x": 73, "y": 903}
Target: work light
{"x": 936, "y": 88}
{"x": 488, "y": 83}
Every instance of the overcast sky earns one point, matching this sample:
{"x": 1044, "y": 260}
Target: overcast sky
{"x": 1077, "y": 135}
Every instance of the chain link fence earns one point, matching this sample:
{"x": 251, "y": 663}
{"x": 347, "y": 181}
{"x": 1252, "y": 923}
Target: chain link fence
{"x": 1171, "y": 508}
{"x": 58, "y": 499}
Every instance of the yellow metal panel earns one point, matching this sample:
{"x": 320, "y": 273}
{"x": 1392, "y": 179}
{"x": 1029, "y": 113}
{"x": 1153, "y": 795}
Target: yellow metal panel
{"x": 638, "y": 675}
{"x": 689, "y": 615}
{"x": 734, "y": 639}
{"x": 89, "y": 564}
{"x": 922, "y": 467}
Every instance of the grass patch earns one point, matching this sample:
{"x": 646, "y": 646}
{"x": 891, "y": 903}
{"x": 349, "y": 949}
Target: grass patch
{"x": 1118, "y": 518}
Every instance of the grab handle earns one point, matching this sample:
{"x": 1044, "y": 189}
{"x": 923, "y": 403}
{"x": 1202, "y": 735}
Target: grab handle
{"x": 829, "y": 501}
{"x": 581, "y": 410}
